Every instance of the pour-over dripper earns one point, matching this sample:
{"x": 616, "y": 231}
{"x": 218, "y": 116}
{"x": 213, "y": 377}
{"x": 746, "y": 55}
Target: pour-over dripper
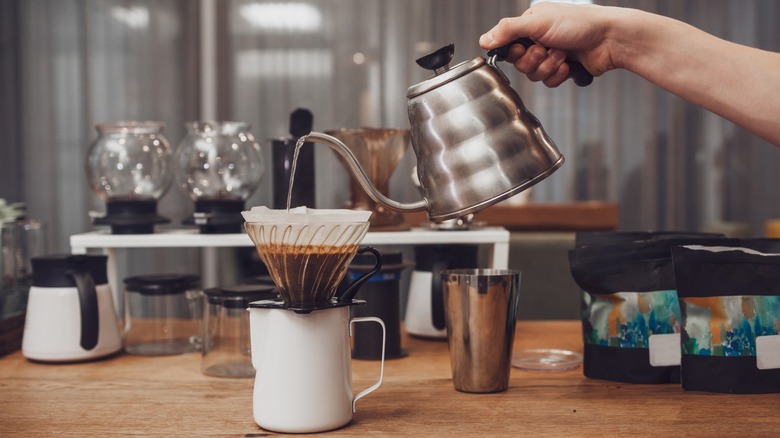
{"x": 379, "y": 151}
{"x": 307, "y": 251}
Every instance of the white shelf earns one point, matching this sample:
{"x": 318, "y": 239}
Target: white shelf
{"x": 174, "y": 238}
{"x": 495, "y": 239}
{"x": 189, "y": 238}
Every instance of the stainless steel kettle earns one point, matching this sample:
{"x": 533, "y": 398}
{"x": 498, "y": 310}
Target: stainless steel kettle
{"x": 476, "y": 143}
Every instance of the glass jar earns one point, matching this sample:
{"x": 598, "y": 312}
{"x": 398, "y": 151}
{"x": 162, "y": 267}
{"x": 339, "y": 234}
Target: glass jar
{"x": 20, "y": 241}
{"x": 226, "y": 340}
{"x": 128, "y": 167}
{"x": 163, "y": 314}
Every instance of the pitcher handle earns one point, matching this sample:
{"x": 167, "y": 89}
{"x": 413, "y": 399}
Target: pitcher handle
{"x": 351, "y": 290}
{"x": 88, "y": 306}
{"x": 376, "y": 385}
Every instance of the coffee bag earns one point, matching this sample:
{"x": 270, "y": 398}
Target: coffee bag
{"x": 630, "y": 312}
{"x": 730, "y": 308}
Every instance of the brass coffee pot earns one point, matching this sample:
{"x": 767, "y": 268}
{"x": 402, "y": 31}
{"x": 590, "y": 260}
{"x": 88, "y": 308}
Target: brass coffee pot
{"x": 476, "y": 144}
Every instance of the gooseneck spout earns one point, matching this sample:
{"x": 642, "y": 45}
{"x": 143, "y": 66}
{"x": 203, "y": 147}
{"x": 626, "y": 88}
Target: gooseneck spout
{"x": 360, "y": 174}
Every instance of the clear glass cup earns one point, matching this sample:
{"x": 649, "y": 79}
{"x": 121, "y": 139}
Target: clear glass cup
{"x": 20, "y": 241}
{"x": 226, "y": 349}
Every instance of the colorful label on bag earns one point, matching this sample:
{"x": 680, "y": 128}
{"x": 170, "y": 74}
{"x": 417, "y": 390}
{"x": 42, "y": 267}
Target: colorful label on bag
{"x": 728, "y": 325}
{"x": 629, "y": 319}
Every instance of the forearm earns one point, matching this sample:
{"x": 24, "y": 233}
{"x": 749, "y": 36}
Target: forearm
{"x": 733, "y": 81}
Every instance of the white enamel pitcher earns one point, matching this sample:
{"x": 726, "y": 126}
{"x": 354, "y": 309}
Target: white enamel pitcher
{"x": 302, "y": 358}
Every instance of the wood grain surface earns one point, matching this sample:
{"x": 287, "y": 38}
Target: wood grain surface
{"x": 540, "y": 216}
{"x": 169, "y": 396}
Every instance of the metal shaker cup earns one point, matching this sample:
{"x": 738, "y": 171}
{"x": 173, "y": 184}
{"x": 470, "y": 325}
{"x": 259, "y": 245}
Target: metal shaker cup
{"x": 480, "y": 309}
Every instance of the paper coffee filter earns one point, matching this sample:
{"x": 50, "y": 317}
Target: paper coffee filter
{"x": 304, "y": 215}
{"x": 305, "y": 227}
{"x": 307, "y": 251}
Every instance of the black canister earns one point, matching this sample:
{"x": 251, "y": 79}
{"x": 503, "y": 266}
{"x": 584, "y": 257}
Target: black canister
{"x": 382, "y": 295}
{"x": 282, "y": 153}
{"x": 303, "y": 189}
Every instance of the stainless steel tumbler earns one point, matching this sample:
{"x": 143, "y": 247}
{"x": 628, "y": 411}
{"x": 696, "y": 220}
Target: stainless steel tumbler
{"x": 480, "y": 309}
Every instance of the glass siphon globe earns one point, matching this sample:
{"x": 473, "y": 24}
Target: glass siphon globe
{"x": 129, "y": 160}
{"x": 218, "y": 160}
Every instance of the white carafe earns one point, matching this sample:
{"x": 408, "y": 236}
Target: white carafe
{"x": 424, "y": 315}
{"x": 70, "y": 310}
{"x": 303, "y": 379}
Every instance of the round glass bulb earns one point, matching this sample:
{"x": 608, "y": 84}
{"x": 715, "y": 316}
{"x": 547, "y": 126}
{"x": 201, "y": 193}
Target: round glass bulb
{"x": 129, "y": 160}
{"x": 218, "y": 161}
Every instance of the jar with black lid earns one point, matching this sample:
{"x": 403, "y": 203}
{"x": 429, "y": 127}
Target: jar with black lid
{"x": 163, "y": 314}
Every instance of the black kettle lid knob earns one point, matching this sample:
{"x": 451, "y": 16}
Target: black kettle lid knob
{"x": 438, "y": 59}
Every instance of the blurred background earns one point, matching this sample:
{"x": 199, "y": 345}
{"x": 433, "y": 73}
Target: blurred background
{"x": 66, "y": 65}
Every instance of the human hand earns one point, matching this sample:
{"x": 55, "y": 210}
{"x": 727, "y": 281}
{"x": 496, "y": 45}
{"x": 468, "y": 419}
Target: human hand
{"x": 578, "y": 30}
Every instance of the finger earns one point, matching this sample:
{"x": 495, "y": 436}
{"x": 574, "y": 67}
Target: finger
{"x": 549, "y": 65}
{"x": 516, "y": 51}
{"x": 558, "y": 77}
{"x": 531, "y": 61}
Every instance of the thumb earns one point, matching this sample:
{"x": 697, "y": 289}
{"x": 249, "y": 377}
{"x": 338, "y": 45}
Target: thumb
{"x": 509, "y": 29}
{"x": 487, "y": 41}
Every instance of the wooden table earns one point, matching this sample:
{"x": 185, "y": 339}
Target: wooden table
{"x": 168, "y": 396}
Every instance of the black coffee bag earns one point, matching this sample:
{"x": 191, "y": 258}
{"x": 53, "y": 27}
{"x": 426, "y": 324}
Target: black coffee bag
{"x": 730, "y": 307}
{"x": 630, "y": 312}
{"x": 766, "y": 245}
{"x": 588, "y": 238}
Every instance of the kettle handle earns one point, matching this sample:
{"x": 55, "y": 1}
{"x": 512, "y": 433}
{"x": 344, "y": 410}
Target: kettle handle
{"x": 352, "y": 289}
{"x": 577, "y": 71}
{"x": 88, "y": 304}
